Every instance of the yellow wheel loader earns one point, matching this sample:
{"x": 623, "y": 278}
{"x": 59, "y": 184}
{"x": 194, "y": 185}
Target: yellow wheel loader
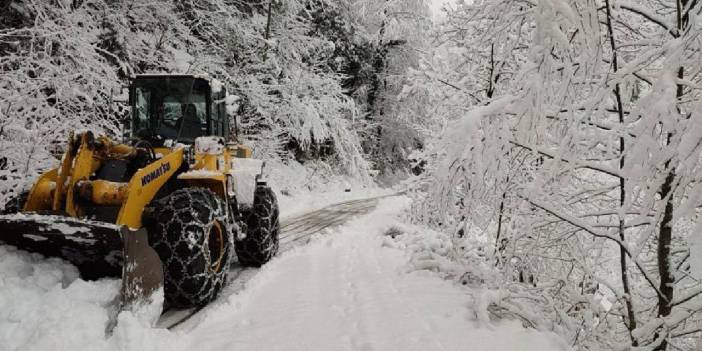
{"x": 169, "y": 207}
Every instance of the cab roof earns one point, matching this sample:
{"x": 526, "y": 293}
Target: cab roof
{"x": 168, "y": 75}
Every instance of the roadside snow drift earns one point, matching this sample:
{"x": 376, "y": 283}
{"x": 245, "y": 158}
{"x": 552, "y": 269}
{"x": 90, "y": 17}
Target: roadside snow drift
{"x": 344, "y": 291}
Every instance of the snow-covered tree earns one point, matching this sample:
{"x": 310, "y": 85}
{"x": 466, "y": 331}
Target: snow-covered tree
{"x": 397, "y": 33}
{"x": 579, "y": 153}
{"x": 62, "y": 62}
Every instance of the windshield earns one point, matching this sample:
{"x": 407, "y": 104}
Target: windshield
{"x": 170, "y": 108}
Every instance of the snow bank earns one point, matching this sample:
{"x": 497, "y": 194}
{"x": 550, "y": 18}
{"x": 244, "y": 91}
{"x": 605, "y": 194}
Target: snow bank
{"x": 45, "y": 306}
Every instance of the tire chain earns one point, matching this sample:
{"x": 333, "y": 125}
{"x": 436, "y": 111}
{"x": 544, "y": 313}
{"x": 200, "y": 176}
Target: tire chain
{"x": 183, "y": 222}
{"x": 262, "y": 225}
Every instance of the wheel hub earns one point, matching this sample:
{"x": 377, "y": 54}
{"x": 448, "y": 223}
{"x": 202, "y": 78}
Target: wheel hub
{"x": 215, "y": 243}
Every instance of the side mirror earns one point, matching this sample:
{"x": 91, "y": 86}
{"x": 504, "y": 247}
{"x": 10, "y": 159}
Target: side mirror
{"x": 232, "y": 104}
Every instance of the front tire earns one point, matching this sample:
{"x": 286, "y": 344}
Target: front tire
{"x": 190, "y": 234}
{"x": 262, "y": 227}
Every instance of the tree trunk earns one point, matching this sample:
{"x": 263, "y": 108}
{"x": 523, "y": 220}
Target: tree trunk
{"x": 665, "y": 236}
{"x": 665, "y": 230}
{"x": 499, "y": 227}
{"x": 630, "y": 320}
{"x": 268, "y": 29}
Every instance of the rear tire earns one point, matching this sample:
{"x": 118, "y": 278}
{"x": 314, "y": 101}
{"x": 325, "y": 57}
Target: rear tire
{"x": 262, "y": 227}
{"x": 189, "y": 232}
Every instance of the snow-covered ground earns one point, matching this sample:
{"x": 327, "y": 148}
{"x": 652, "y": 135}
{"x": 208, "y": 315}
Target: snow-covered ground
{"x": 346, "y": 290}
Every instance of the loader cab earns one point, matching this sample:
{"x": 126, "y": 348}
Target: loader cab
{"x": 179, "y": 108}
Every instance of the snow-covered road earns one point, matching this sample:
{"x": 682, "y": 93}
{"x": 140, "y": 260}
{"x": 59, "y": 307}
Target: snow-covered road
{"x": 345, "y": 290}
{"x": 295, "y": 231}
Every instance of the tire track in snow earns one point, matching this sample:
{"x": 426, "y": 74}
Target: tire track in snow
{"x": 294, "y": 232}
{"x": 413, "y": 313}
{"x": 377, "y": 297}
{"x": 300, "y": 229}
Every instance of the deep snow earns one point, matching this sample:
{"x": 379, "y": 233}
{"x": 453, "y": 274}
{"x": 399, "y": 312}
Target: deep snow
{"x": 343, "y": 291}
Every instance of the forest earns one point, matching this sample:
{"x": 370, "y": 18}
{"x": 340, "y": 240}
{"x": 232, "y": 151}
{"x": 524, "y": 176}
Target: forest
{"x": 551, "y": 148}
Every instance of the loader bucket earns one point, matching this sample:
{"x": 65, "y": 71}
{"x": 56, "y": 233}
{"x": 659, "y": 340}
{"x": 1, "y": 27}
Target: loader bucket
{"x": 142, "y": 272}
{"x": 97, "y": 249}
